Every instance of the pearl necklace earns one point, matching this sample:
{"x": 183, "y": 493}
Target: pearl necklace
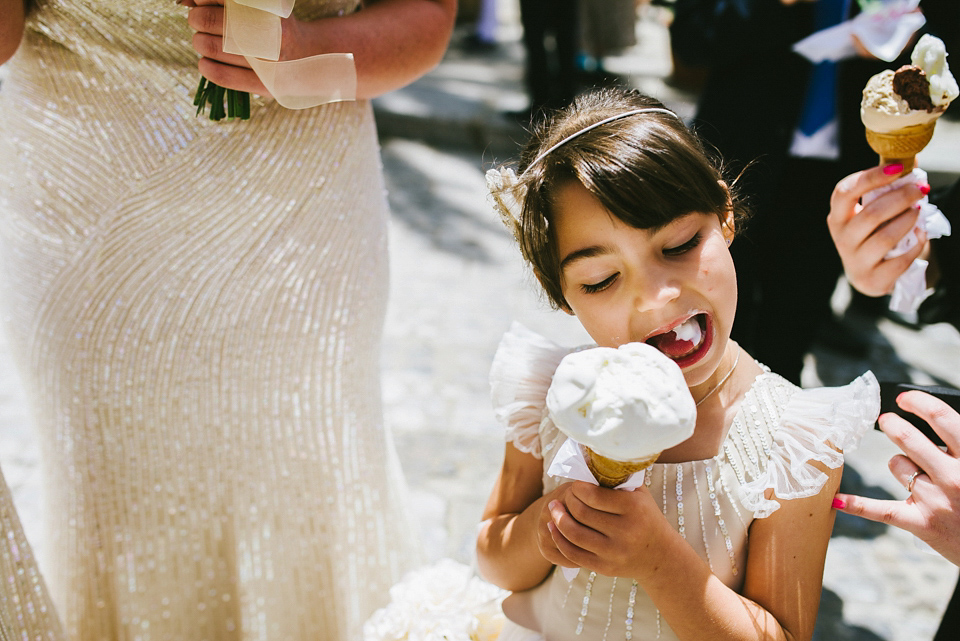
{"x": 723, "y": 380}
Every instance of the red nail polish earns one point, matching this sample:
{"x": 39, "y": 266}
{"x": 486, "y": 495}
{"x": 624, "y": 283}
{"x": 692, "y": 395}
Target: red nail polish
{"x": 839, "y": 504}
{"x": 924, "y": 189}
{"x": 893, "y": 169}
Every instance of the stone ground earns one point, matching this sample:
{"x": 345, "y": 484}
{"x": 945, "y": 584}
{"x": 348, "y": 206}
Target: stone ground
{"x": 457, "y": 283}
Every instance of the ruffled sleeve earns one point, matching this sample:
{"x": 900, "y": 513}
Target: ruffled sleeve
{"x": 817, "y": 424}
{"x": 519, "y": 378}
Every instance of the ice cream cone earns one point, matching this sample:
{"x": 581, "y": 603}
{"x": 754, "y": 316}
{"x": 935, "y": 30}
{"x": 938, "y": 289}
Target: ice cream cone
{"x": 902, "y": 145}
{"x": 610, "y": 473}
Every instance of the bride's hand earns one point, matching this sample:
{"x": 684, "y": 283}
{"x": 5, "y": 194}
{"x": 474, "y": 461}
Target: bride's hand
{"x": 228, "y": 70}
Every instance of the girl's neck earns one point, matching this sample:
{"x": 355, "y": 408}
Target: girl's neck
{"x": 718, "y": 408}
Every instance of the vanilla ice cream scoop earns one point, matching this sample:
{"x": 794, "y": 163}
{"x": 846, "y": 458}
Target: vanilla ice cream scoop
{"x": 930, "y": 54}
{"x": 625, "y": 404}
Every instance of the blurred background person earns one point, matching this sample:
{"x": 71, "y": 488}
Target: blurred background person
{"x": 794, "y": 129}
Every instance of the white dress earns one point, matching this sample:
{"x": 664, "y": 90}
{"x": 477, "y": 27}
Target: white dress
{"x": 196, "y": 310}
{"x": 778, "y": 430}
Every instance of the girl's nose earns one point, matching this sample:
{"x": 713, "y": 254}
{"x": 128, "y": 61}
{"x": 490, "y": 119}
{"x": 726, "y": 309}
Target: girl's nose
{"x": 655, "y": 290}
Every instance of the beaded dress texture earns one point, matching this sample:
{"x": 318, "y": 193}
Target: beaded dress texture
{"x": 711, "y": 502}
{"x": 196, "y": 309}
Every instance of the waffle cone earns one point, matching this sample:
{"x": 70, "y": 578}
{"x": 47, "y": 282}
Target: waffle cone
{"x": 611, "y": 473}
{"x": 901, "y": 145}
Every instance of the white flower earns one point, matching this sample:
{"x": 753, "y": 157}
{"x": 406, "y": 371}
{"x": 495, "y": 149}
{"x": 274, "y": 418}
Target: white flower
{"x": 507, "y": 196}
{"x": 442, "y": 602}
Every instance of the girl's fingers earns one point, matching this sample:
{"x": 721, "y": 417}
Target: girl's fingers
{"x": 599, "y": 498}
{"x": 573, "y": 556}
{"x": 577, "y": 533}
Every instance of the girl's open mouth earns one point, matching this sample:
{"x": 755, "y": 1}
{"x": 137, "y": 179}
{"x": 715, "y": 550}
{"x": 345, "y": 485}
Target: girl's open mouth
{"x": 687, "y": 342}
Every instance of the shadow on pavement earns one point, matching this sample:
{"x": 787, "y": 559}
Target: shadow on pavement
{"x": 832, "y": 627}
{"x": 419, "y": 200}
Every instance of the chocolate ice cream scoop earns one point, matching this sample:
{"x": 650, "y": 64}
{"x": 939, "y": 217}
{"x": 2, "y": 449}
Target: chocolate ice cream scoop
{"x": 911, "y": 84}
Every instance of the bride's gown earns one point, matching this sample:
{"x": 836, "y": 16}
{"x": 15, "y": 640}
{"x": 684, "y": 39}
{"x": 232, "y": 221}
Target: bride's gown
{"x": 196, "y": 310}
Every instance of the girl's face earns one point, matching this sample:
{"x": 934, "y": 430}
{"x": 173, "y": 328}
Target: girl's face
{"x": 674, "y": 287}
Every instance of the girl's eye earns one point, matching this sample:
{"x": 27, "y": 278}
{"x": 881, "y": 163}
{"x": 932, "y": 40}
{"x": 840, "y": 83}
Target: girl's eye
{"x": 685, "y": 247}
{"x": 599, "y": 287}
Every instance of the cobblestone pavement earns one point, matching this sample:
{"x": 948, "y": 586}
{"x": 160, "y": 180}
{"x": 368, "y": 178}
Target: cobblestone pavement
{"x": 457, "y": 283}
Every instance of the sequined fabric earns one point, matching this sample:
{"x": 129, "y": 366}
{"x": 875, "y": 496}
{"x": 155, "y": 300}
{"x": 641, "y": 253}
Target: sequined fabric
{"x": 26, "y": 612}
{"x": 196, "y": 309}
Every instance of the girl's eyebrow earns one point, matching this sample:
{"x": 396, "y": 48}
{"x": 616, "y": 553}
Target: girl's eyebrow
{"x": 580, "y": 254}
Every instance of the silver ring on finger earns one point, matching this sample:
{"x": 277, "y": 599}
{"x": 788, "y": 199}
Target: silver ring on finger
{"x": 912, "y": 480}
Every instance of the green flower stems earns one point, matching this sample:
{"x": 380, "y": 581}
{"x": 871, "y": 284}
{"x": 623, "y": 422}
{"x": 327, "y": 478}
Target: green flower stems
{"x": 224, "y": 103}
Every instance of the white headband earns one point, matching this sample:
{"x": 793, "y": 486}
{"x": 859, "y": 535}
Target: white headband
{"x": 503, "y": 182}
{"x": 632, "y": 112}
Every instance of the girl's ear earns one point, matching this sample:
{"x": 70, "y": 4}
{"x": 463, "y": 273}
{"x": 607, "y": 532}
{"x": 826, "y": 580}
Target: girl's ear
{"x": 728, "y": 220}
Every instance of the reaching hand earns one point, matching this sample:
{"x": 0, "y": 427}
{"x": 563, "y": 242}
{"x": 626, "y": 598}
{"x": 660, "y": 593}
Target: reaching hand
{"x": 932, "y": 511}
{"x": 864, "y": 234}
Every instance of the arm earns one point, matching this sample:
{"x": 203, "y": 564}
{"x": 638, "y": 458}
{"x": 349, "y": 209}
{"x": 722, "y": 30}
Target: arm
{"x": 11, "y": 27}
{"x": 864, "y": 235}
{"x": 509, "y": 544}
{"x": 624, "y": 534}
{"x": 932, "y": 511}
{"x": 394, "y": 42}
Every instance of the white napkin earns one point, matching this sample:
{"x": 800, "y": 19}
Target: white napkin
{"x": 911, "y": 288}
{"x": 569, "y": 463}
{"x": 884, "y": 31}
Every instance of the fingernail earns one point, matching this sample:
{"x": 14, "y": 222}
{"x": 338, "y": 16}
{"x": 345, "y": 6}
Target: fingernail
{"x": 893, "y": 169}
{"x": 924, "y": 189}
{"x": 839, "y": 504}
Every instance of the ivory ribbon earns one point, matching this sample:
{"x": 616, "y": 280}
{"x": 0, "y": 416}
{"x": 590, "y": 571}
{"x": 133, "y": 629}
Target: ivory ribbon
{"x": 252, "y": 29}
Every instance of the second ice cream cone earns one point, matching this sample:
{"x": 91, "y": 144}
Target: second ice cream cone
{"x": 611, "y": 473}
{"x": 901, "y": 146}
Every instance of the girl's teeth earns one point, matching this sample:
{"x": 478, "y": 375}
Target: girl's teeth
{"x": 681, "y": 341}
{"x": 689, "y": 330}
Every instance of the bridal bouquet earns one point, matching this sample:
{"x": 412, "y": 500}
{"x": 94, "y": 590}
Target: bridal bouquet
{"x": 208, "y": 93}
{"x": 250, "y": 28}
{"x": 445, "y": 601}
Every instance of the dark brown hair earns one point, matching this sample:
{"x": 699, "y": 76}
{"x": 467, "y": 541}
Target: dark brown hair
{"x": 646, "y": 169}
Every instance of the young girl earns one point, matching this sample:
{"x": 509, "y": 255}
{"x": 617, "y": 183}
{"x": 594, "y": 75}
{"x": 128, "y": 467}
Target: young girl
{"x": 626, "y": 223}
